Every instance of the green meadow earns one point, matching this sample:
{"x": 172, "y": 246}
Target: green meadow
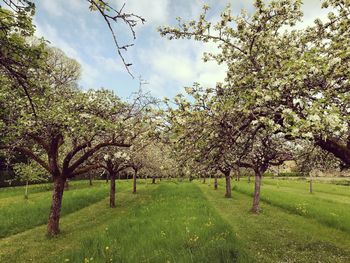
{"x": 175, "y": 221}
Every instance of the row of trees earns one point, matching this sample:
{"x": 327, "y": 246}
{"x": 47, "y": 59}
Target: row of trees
{"x": 62, "y": 130}
{"x": 286, "y": 89}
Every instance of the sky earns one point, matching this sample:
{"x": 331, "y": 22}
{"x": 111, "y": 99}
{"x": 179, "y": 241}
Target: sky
{"x": 167, "y": 66}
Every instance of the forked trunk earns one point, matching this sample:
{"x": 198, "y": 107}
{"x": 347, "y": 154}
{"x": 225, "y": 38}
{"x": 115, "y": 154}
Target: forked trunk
{"x": 54, "y": 216}
{"x": 134, "y": 183}
{"x": 228, "y": 185}
{"x": 256, "y": 199}
{"x": 216, "y": 183}
{"x": 112, "y": 190}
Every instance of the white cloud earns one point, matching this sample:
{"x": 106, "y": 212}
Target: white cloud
{"x": 54, "y": 8}
{"x": 179, "y": 63}
{"x": 109, "y": 64}
{"x": 155, "y": 11}
{"x": 59, "y": 8}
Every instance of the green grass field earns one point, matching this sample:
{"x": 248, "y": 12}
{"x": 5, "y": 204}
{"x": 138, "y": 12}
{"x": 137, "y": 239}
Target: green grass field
{"x": 179, "y": 222}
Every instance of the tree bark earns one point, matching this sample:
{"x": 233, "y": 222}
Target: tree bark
{"x": 26, "y": 191}
{"x": 54, "y": 216}
{"x": 256, "y": 199}
{"x": 112, "y": 190}
{"x": 228, "y": 193}
{"x": 310, "y": 183}
{"x": 337, "y": 148}
{"x": 90, "y": 179}
{"x": 216, "y": 183}
{"x": 134, "y": 182}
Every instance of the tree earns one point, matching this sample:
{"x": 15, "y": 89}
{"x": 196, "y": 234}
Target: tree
{"x": 264, "y": 150}
{"x": 68, "y": 128}
{"x": 296, "y": 80}
{"x": 30, "y": 172}
{"x": 310, "y": 157}
{"x": 114, "y": 164}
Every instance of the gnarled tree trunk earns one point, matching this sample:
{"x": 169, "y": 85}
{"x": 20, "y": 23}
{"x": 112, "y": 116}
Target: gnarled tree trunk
{"x": 256, "y": 199}
{"x": 228, "y": 193}
{"x": 54, "y": 216}
{"x": 112, "y": 190}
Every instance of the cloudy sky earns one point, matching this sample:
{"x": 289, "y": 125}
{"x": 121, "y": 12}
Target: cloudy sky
{"x": 167, "y": 66}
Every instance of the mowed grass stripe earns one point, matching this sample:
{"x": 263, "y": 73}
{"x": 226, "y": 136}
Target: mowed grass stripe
{"x": 34, "y": 246}
{"x": 22, "y": 214}
{"x": 174, "y": 223}
{"x": 8, "y": 192}
{"x": 275, "y": 235}
{"x": 329, "y": 212}
{"x": 318, "y": 186}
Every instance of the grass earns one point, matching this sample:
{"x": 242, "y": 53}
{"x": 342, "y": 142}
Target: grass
{"x": 162, "y": 223}
{"x": 329, "y": 204}
{"x": 18, "y": 214}
{"x": 38, "y": 188}
{"x": 277, "y": 235}
{"x": 184, "y": 222}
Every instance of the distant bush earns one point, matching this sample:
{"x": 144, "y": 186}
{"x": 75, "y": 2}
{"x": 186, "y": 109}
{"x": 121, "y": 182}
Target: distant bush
{"x": 291, "y": 174}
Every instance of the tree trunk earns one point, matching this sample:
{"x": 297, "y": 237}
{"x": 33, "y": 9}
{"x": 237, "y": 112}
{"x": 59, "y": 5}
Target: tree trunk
{"x": 248, "y": 178}
{"x": 228, "y": 185}
{"x": 26, "y": 191}
{"x": 112, "y": 190}
{"x": 238, "y": 175}
{"x": 134, "y": 183}
{"x": 90, "y": 179}
{"x": 66, "y": 185}
{"x": 256, "y": 199}
{"x": 54, "y": 216}
{"x": 216, "y": 183}
{"x": 310, "y": 183}
{"x": 153, "y": 179}
{"x": 204, "y": 180}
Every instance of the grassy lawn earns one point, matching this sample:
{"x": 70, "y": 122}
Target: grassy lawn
{"x": 279, "y": 235}
{"x": 162, "y": 223}
{"x": 179, "y": 222}
{"x": 329, "y": 204}
{"x": 18, "y": 214}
